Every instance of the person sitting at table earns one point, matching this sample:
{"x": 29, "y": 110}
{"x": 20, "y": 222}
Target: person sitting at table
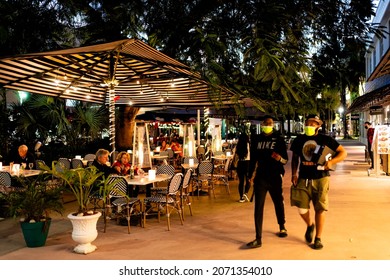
{"x": 164, "y": 146}
{"x": 24, "y": 156}
{"x": 176, "y": 147}
{"x": 122, "y": 167}
{"x": 122, "y": 164}
{"x": 100, "y": 162}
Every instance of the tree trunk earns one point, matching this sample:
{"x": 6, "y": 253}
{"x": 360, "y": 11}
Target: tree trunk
{"x": 125, "y": 127}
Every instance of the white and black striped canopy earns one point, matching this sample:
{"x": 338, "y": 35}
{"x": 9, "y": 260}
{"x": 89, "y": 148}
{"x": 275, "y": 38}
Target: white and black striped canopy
{"x": 139, "y": 74}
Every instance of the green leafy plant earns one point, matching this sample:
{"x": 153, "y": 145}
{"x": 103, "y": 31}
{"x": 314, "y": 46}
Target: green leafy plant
{"x": 34, "y": 199}
{"x": 84, "y": 183}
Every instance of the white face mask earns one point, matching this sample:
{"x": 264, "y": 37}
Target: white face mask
{"x": 310, "y": 130}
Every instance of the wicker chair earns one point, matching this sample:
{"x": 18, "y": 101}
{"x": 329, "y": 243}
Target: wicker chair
{"x": 119, "y": 204}
{"x": 185, "y": 194}
{"x": 170, "y": 201}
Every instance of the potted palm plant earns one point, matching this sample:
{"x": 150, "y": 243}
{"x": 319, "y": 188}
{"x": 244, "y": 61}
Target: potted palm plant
{"x": 33, "y": 201}
{"x": 85, "y": 184}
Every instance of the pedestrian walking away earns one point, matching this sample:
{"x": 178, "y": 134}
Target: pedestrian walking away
{"x": 312, "y": 182}
{"x": 268, "y": 157}
{"x": 370, "y": 137}
{"x": 242, "y": 150}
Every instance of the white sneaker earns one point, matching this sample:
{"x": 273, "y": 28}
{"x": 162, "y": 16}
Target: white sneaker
{"x": 245, "y": 197}
{"x": 242, "y": 200}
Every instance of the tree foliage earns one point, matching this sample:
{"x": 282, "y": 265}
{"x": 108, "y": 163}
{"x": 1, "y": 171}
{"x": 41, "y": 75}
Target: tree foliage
{"x": 275, "y": 52}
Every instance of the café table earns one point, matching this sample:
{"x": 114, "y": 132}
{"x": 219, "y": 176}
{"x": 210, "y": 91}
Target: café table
{"x": 188, "y": 166}
{"x": 159, "y": 157}
{"x": 25, "y": 172}
{"x": 145, "y": 180}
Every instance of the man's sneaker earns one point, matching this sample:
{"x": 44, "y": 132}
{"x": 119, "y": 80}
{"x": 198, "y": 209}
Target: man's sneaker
{"x": 241, "y": 200}
{"x": 282, "y": 233}
{"x": 245, "y": 196}
{"x": 317, "y": 244}
{"x": 309, "y": 233}
{"x": 254, "y": 244}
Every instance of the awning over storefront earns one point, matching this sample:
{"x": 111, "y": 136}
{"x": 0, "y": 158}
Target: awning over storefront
{"x": 380, "y": 96}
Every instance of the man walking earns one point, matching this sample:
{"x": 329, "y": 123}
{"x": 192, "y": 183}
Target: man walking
{"x": 269, "y": 154}
{"x": 312, "y": 184}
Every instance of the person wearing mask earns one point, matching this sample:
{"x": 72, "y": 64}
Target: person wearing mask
{"x": 242, "y": 151}
{"x": 312, "y": 183}
{"x": 370, "y": 137}
{"x": 268, "y": 157}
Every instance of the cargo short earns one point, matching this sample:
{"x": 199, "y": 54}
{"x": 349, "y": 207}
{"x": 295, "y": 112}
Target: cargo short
{"x": 315, "y": 190}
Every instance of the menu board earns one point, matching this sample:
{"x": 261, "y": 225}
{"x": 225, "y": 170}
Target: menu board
{"x": 383, "y": 138}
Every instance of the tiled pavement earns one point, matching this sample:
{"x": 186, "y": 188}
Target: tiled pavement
{"x": 356, "y": 227}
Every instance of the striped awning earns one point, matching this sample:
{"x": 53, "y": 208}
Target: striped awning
{"x": 138, "y": 74}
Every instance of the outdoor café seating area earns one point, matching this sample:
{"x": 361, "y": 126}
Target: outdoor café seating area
{"x": 166, "y": 182}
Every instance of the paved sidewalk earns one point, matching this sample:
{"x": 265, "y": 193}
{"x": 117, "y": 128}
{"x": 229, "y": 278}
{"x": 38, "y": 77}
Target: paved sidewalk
{"x": 355, "y": 229}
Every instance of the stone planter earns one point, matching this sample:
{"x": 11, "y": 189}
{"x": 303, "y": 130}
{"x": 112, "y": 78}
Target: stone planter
{"x": 84, "y": 232}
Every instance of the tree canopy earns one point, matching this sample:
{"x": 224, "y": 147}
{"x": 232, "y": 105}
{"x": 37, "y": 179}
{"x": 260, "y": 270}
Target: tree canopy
{"x": 279, "y": 53}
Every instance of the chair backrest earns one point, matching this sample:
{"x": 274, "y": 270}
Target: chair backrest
{"x": 201, "y": 150}
{"x": 76, "y": 163}
{"x": 187, "y": 178}
{"x": 39, "y": 163}
{"x": 120, "y": 187}
{"x": 90, "y": 157}
{"x": 205, "y": 167}
{"x": 227, "y": 164}
{"x": 5, "y": 179}
{"x": 165, "y": 169}
{"x": 175, "y": 183}
{"x": 62, "y": 164}
{"x": 171, "y": 153}
{"x": 164, "y": 153}
{"x": 187, "y": 160}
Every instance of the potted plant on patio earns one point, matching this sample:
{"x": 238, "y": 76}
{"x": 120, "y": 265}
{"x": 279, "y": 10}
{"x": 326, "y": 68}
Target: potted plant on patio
{"x": 84, "y": 183}
{"x": 33, "y": 201}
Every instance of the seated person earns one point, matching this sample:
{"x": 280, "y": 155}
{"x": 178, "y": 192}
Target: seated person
{"x": 122, "y": 164}
{"x": 100, "y": 162}
{"x": 164, "y": 146}
{"x": 24, "y": 156}
{"x": 176, "y": 147}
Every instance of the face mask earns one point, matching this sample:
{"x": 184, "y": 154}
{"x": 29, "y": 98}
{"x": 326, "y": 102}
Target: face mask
{"x": 267, "y": 129}
{"x": 310, "y": 130}
{"x": 366, "y": 127}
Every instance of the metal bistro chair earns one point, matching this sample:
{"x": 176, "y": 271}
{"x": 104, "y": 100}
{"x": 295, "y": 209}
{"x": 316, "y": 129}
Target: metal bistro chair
{"x": 5, "y": 182}
{"x": 63, "y": 164}
{"x": 205, "y": 175}
{"x": 77, "y": 163}
{"x": 120, "y": 204}
{"x": 185, "y": 194}
{"x": 171, "y": 201}
{"x": 90, "y": 157}
{"x": 163, "y": 169}
{"x": 223, "y": 175}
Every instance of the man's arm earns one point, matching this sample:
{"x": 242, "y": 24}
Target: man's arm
{"x": 341, "y": 154}
{"x": 294, "y": 169}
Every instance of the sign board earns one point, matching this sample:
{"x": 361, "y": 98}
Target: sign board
{"x": 376, "y": 110}
{"x": 382, "y": 138}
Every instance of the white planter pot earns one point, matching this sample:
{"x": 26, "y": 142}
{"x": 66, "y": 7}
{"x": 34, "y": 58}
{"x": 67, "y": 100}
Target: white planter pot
{"x": 84, "y": 232}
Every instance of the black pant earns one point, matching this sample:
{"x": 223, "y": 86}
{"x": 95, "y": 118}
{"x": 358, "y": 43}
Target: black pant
{"x": 273, "y": 185}
{"x": 243, "y": 178}
{"x": 371, "y": 154}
